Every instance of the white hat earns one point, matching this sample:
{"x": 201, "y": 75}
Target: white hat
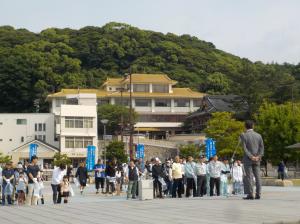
{"x": 19, "y": 166}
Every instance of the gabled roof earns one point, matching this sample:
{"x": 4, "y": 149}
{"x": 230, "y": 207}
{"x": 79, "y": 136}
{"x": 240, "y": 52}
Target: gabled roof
{"x": 100, "y": 93}
{"x": 150, "y": 78}
{"x": 221, "y": 103}
{"x": 113, "y": 81}
{"x": 51, "y": 147}
{"x": 227, "y": 103}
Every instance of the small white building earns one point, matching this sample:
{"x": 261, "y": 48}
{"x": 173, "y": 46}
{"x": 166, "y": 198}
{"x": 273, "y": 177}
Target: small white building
{"x": 18, "y": 129}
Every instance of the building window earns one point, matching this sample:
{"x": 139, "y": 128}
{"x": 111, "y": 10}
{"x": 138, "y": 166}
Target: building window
{"x": 21, "y": 121}
{"x": 88, "y": 122}
{"x": 22, "y": 139}
{"x": 59, "y": 102}
{"x": 143, "y": 102}
{"x": 1, "y": 139}
{"x": 157, "y": 88}
{"x": 140, "y": 87}
{"x": 182, "y": 103}
{"x": 197, "y": 103}
{"x": 40, "y": 127}
{"x": 10, "y": 140}
{"x": 1, "y": 123}
{"x": 162, "y": 103}
{"x": 69, "y": 142}
{"x": 125, "y": 102}
{"x": 78, "y": 122}
{"x": 102, "y": 101}
{"x": 78, "y": 142}
{"x": 40, "y": 137}
{"x": 72, "y": 101}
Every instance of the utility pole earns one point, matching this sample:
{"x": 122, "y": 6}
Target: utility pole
{"x": 122, "y": 116}
{"x": 130, "y": 116}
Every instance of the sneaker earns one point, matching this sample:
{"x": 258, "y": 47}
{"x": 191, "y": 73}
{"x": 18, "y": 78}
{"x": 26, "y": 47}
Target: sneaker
{"x": 257, "y": 197}
{"x": 248, "y": 197}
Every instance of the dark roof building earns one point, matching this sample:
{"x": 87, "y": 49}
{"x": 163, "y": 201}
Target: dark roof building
{"x": 217, "y": 103}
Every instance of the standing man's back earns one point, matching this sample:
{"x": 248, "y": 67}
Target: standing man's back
{"x": 253, "y": 152}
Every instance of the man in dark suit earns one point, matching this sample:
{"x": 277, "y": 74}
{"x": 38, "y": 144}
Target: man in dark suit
{"x": 253, "y": 151}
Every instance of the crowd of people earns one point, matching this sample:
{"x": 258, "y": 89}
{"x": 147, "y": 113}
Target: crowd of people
{"x": 22, "y": 184}
{"x": 191, "y": 177}
{"x": 172, "y": 178}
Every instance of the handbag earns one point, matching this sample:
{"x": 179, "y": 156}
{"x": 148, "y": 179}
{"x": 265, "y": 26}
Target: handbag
{"x": 72, "y": 194}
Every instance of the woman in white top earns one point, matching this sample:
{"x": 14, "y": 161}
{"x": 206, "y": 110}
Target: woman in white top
{"x": 237, "y": 177}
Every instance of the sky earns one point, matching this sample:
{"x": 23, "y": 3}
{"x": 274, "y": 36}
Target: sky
{"x": 260, "y": 30}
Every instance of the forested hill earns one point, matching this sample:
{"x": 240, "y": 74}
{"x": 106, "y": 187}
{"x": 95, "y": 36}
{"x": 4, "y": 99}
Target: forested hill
{"x": 34, "y": 65}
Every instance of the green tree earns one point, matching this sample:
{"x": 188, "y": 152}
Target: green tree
{"x": 61, "y": 159}
{"x": 116, "y": 149}
{"x": 189, "y": 150}
{"x": 114, "y": 113}
{"x": 225, "y": 130}
{"x": 4, "y": 159}
{"x": 216, "y": 84}
{"x": 280, "y": 127}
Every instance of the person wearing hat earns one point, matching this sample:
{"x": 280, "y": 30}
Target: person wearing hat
{"x": 8, "y": 176}
{"x": 201, "y": 176}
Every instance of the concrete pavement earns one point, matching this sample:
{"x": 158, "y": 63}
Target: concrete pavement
{"x": 278, "y": 205}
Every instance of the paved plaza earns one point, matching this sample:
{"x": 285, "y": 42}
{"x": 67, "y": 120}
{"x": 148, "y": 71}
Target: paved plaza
{"x": 279, "y": 205}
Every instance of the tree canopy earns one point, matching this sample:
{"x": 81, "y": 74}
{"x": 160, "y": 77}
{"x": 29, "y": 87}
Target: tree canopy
{"x": 114, "y": 115}
{"x": 225, "y": 130}
{"x": 280, "y": 127}
{"x": 116, "y": 149}
{"x": 33, "y": 65}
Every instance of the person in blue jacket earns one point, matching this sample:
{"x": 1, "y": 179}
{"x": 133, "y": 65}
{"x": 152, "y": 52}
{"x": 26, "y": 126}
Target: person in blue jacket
{"x": 99, "y": 169}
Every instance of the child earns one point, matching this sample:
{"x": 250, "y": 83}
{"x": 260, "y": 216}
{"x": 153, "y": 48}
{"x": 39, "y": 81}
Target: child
{"x": 21, "y": 188}
{"x": 41, "y": 185}
{"x": 118, "y": 181}
{"x": 65, "y": 189}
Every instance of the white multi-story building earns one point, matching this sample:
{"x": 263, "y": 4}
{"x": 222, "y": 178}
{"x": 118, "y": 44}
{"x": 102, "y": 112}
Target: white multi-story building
{"x": 19, "y": 130}
{"x": 75, "y": 123}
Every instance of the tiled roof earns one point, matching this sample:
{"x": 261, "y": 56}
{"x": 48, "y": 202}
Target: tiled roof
{"x": 177, "y": 93}
{"x": 150, "y": 78}
{"x": 141, "y": 78}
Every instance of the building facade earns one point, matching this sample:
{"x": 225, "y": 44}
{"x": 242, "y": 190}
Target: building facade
{"x": 19, "y": 129}
{"x": 75, "y": 123}
{"x": 161, "y": 107}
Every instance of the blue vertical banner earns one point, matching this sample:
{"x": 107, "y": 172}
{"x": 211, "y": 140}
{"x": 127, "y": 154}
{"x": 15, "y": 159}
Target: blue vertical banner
{"x": 32, "y": 150}
{"x": 90, "y": 157}
{"x": 210, "y": 148}
{"x": 140, "y": 151}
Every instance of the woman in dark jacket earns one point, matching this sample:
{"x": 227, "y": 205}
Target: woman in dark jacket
{"x": 110, "y": 173}
{"x": 82, "y": 175}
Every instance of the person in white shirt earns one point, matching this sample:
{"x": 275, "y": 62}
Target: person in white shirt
{"x": 177, "y": 178}
{"x": 237, "y": 177}
{"x": 57, "y": 178}
{"x": 214, "y": 169}
{"x": 191, "y": 178}
{"x": 201, "y": 177}
{"x": 225, "y": 172}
